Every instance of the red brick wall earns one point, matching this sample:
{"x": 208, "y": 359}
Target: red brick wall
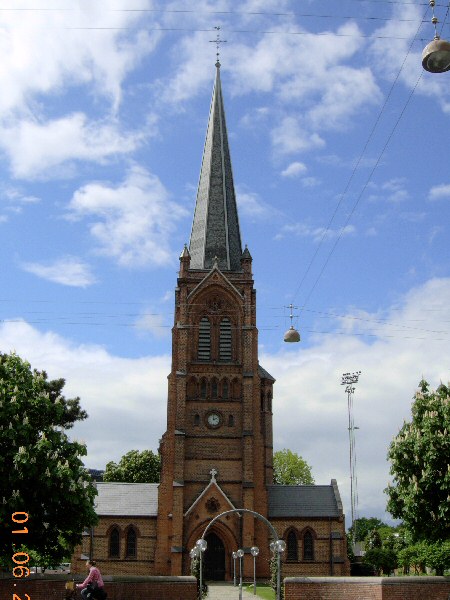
{"x": 162, "y": 588}
{"x": 367, "y": 588}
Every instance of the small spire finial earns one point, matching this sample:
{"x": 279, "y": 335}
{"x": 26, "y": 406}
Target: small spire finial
{"x": 218, "y": 41}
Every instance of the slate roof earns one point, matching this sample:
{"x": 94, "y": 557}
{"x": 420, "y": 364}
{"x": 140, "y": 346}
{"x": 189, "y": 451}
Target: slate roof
{"x": 304, "y": 501}
{"x": 264, "y": 374}
{"x": 127, "y": 499}
{"x": 215, "y": 230}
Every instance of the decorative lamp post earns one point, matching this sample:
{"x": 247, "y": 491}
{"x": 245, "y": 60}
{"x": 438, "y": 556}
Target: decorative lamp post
{"x": 234, "y": 555}
{"x": 279, "y": 547}
{"x": 254, "y": 551}
{"x": 436, "y": 55}
{"x": 201, "y": 545}
{"x": 291, "y": 335}
{"x": 240, "y": 554}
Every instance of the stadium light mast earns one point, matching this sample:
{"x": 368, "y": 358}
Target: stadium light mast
{"x": 350, "y": 380}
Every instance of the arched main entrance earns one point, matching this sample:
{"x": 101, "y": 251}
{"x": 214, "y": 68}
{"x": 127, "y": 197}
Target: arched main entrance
{"x": 214, "y": 560}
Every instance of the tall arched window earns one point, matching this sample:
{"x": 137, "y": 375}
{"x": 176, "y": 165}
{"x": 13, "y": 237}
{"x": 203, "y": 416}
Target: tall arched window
{"x": 203, "y": 389}
{"x": 225, "y": 339}
{"x": 214, "y": 389}
{"x": 192, "y": 389}
{"x": 225, "y": 389}
{"x": 114, "y": 543}
{"x": 236, "y": 389}
{"x": 308, "y": 546}
{"x": 131, "y": 548}
{"x": 204, "y": 339}
{"x": 292, "y": 550}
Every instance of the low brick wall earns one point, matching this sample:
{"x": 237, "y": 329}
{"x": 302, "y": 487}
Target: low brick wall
{"x": 367, "y": 588}
{"x": 118, "y": 588}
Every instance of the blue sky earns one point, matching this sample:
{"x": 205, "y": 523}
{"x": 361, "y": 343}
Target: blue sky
{"x": 339, "y": 143}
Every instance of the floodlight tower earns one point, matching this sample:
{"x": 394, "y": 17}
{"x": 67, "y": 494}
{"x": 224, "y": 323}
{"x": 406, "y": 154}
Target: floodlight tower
{"x": 349, "y": 380}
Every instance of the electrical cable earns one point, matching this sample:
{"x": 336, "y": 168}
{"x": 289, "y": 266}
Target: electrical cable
{"x": 354, "y": 172}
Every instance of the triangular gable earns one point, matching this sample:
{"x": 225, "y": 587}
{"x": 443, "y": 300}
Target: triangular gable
{"x": 212, "y": 485}
{"x": 215, "y": 270}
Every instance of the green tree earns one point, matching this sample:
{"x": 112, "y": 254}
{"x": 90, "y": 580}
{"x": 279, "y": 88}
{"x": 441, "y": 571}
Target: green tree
{"x": 290, "y": 469}
{"x": 381, "y": 559}
{"x": 362, "y": 526}
{"x": 436, "y": 555}
{"x": 419, "y": 466}
{"x": 135, "y": 467}
{"x": 373, "y": 540}
{"x": 411, "y": 556}
{"x": 42, "y": 476}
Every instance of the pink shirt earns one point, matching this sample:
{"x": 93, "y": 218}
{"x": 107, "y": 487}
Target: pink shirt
{"x": 93, "y": 577}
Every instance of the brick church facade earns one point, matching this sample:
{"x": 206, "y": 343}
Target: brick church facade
{"x": 217, "y": 451}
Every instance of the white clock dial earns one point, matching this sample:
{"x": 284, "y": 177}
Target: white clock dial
{"x": 213, "y": 419}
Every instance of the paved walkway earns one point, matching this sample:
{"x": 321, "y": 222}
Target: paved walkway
{"x": 225, "y": 591}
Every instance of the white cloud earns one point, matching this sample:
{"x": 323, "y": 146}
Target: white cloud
{"x": 44, "y": 50}
{"x": 310, "y": 182}
{"x": 132, "y": 222}
{"x": 35, "y": 149}
{"x": 310, "y": 406}
{"x": 409, "y": 340}
{"x": 393, "y": 191}
{"x": 345, "y": 92}
{"x": 120, "y": 395}
{"x": 152, "y": 322}
{"x": 326, "y": 89}
{"x": 251, "y": 205}
{"x": 316, "y": 233}
{"x": 393, "y": 55}
{"x": 290, "y": 137}
{"x": 294, "y": 170}
{"x": 68, "y": 270}
{"x": 439, "y": 192}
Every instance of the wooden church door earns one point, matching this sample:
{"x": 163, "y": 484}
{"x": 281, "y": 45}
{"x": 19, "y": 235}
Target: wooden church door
{"x": 214, "y": 558}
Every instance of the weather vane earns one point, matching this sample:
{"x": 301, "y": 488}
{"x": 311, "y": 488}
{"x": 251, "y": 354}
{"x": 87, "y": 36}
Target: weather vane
{"x": 218, "y": 41}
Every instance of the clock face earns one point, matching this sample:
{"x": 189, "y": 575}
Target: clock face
{"x": 213, "y": 419}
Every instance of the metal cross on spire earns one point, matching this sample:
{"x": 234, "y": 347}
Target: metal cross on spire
{"x": 218, "y": 41}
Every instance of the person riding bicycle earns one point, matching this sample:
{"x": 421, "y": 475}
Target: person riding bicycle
{"x": 92, "y": 586}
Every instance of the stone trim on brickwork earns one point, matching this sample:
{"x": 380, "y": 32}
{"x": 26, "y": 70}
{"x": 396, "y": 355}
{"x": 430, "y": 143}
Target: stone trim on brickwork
{"x": 212, "y": 484}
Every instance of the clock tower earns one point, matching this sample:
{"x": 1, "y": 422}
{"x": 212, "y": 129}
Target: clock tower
{"x": 217, "y": 449}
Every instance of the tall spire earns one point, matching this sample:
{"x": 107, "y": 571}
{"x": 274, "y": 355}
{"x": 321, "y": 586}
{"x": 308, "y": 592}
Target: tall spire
{"x": 215, "y": 230}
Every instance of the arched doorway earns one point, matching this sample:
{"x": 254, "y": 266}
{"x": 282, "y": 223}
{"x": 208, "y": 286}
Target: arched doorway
{"x": 214, "y": 560}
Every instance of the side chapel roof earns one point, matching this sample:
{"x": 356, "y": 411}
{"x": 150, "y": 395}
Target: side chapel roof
{"x": 127, "y": 499}
{"x": 304, "y": 501}
{"x": 215, "y": 230}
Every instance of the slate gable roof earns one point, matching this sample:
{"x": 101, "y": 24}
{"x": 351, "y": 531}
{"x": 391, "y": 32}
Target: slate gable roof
{"x": 127, "y": 499}
{"x": 304, "y": 501}
{"x": 215, "y": 229}
{"x": 264, "y": 374}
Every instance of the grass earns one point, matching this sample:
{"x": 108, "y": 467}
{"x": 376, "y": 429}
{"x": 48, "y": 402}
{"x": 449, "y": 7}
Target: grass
{"x": 262, "y": 591}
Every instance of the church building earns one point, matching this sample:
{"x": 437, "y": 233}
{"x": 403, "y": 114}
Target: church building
{"x": 217, "y": 451}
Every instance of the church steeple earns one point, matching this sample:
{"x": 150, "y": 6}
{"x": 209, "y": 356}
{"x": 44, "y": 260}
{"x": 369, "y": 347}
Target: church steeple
{"x": 215, "y": 230}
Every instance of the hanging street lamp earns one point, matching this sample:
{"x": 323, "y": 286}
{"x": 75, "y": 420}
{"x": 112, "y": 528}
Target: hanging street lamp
{"x": 291, "y": 335}
{"x": 436, "y": 55}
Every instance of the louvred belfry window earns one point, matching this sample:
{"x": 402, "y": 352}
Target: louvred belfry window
{"x": 225, "y": 340}
{"x": 204, "y": 339}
